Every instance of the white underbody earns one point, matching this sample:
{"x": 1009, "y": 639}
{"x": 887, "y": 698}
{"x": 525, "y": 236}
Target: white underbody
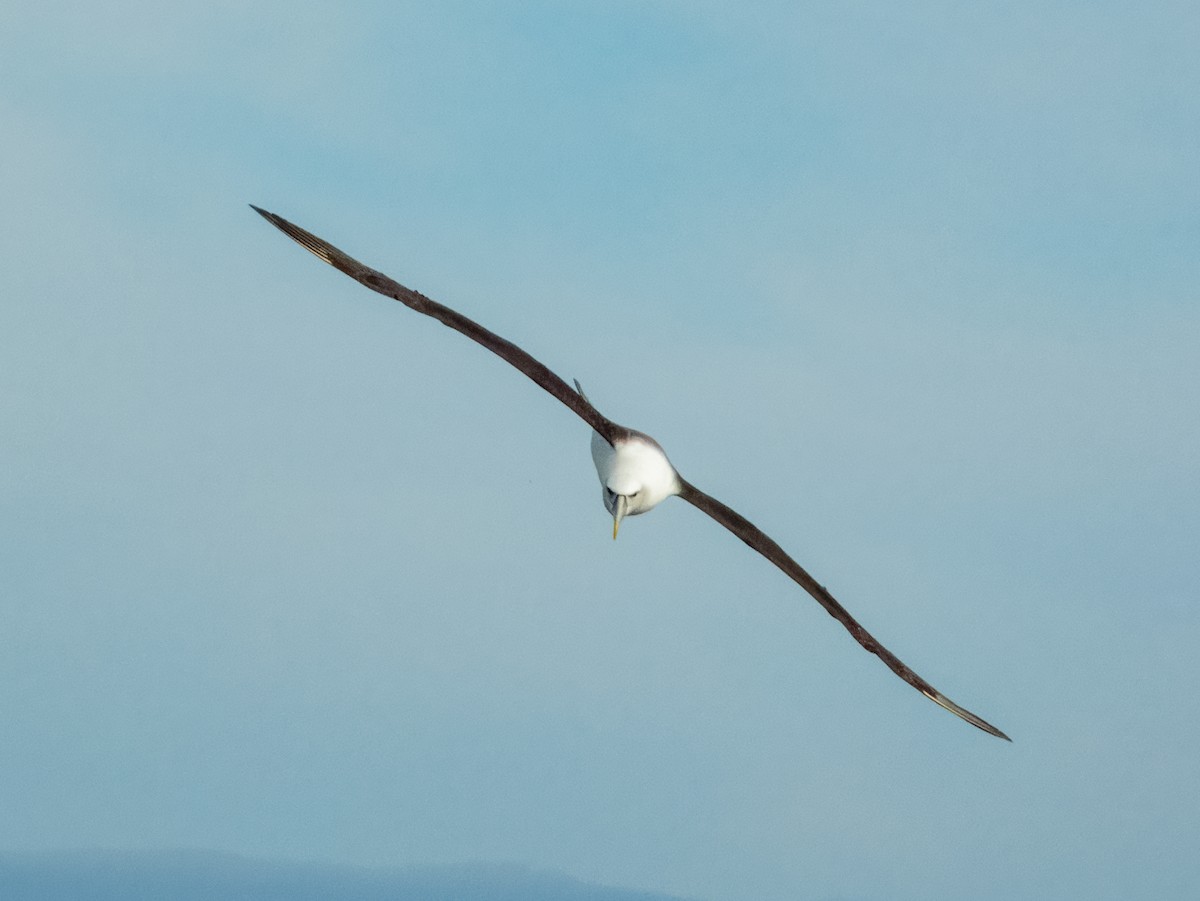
{"x": 636, "y": 468}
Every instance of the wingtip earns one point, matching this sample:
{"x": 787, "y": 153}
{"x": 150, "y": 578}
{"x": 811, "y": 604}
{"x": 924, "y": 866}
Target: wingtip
{"x": 977, "y": 721}
{"x": 996, "y": 732}
{"x": 316, "y": 246}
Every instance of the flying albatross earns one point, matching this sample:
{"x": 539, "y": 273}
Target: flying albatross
{"x": 634, "y": 470}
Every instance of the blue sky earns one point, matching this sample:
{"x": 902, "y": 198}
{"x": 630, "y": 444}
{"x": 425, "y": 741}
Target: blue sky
{"x": 290, "y": 572}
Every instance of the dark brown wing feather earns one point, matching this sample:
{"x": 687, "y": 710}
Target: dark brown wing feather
{"x": 757, "y": 539}
{"x": 506, "y": 350}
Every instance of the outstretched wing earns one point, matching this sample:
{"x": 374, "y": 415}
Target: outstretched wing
{"x": 506, "y": 350}
{"x": 757, "y": 539}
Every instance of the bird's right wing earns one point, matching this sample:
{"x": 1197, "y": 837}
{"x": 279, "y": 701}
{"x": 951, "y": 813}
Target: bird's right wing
{"x": 506, "y": 350}
{"x": 757, "y": 539}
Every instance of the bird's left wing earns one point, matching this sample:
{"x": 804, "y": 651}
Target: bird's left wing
{"x": 757, "y": 539}
{"x": 504, "y": 349}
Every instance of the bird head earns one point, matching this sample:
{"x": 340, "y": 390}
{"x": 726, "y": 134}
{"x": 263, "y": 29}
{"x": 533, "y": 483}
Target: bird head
{"x": 635, "y": 474}
{"x": 626, "y": 497}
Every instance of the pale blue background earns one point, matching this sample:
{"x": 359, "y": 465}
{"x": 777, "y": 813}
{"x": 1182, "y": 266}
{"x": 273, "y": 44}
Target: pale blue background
{"x": 288, "y": 571}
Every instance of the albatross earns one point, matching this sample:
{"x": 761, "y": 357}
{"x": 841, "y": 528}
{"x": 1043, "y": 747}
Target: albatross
{"x": 634, "y": 471}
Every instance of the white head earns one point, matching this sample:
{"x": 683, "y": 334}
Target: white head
{"x": 635, "y": 475}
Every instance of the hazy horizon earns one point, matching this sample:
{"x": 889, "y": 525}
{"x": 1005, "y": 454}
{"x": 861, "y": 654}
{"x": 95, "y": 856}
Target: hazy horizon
{"x": 178, "y": 874}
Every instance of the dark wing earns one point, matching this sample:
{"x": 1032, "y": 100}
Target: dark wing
{"x": 506, "y": 350}
{"x": 753, "y": 536}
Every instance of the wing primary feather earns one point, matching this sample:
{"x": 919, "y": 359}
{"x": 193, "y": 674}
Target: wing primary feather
{"x": 506, "y": 350}
{"x": 761, "y": 542}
